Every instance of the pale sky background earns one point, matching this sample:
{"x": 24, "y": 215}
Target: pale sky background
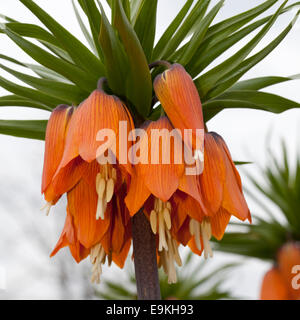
{"x": 245, "y": 132}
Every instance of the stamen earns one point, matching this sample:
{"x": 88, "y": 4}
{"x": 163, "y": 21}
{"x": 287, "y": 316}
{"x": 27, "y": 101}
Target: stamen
{"x": 47, "y": 206}
{"x": 153, "y": 221}
{"x": 168, "y": 259}
{"x": 167, "y": 217}
{"x": 97, "y": 257}
{"x": 161, "y": 215}
{"x": 109, "y": 189}
{"x": 105, "y": 185}
{"x": 195, "y": 230}
{"x": 206, "y": 235}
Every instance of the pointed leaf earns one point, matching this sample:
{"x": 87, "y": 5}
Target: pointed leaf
{"x": 81, "y": 55}
{"x": 94, "y": 17}
{"x": 84, "y": 30}
{"x": 262, "y": 82}
{"x": 116, "y": 62}
{"x": 32, "y": 129}
{"x": 248, "y": 99}
{"x": 18, "y": 101}
{"x": 195, "y": 15}
{"x": 67, "y": 93}
{"x": 145, "y": 26}
{"x": 69, "y": 71}
{"x": 235, "y": 74}
{"x": 139, "y": 86}
{"x": 165, "y": 38}
{"x": 199, "y": 34}
{"x": 208, "y": 81}
{"x": 29, "y": 93}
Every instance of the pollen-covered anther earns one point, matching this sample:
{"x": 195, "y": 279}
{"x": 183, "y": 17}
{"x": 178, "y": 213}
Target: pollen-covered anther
{"x": 169, "y": 257}
{"x": 97, "y": 257}
{"x": 47, "y": 206}
{"x": 160, "y": 218}
{"x": 206, "y": 236}
{"x": 105, "y": 186}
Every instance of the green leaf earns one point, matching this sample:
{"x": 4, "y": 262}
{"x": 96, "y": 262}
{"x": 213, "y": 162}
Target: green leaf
{"x": 145, "y": 26}
{"x": 215, "y": 43}
{"x": 38, "y": 69}
{"x": 195, "y": 15}
{"x": 139, "y": 85}
{"x": 209, "y": 53}
{"x": 165, "y": 38}
{"x": 32, "y": 31}
{"x": 199, "y": 34}
{"x": 32, "y": 129}
{"x": 67, "y": 93}
{"x": 261, "y": 82}
{"x": 81, "y": 55}
{"x": 247, "y": 99}
{"x": 236, "y": 73}
{"x": 94, "y": 17}
{"x": 116, "y": 62}
{"x": 208, "y": 81}
{"x": 84, "y": 30}
{"x": 18, "y": 101}
{"x": 69, "y": 71}
{"x": 29, "y": 93}
{"x": 135, "y": 7}
{"x": 233, "y": 23}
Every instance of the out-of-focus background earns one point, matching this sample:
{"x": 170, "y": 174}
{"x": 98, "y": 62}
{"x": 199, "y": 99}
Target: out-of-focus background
{"x": 27, "y": 236}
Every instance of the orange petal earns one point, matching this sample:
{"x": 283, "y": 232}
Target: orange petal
{"x": 120, "y": 258}
{"x": 137, "y": 195}
{"x": 219, "y": 223}
{"x": 183, "y": 234}
{"x": 212, "y": 179}
{"x": 68, "y": 238}
{"x": 54, "y": 142}
{"x": 82, "y": 202}
{"x": 162, "y": 177}
{"x": 67, "y": 177}
{"x": 180, "y": 99}
{"x": 273, "y": 286}
{"x": 288, "y": 259}
{"x": 99, "y": 111}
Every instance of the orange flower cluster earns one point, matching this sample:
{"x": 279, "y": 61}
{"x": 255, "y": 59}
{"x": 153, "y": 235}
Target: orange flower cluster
{"x": 182, "y": 209}
{"x": 282, "y": 282}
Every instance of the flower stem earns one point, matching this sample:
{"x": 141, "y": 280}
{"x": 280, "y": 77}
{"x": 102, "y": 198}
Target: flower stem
{"x": 145, "y": 263}
{"x": 159, "y": 63}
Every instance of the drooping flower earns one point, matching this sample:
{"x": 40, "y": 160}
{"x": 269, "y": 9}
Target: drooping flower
{"x": 54, "y": 149}
{"x": 97, "y": 217}
{"x": 220, "y": 186}
{"x": 282, "y": 281}
{"x": 179, "y": 97}
{"x": 166, "y": 192}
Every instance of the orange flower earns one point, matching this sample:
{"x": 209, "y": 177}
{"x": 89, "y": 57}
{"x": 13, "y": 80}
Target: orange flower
{"x": 97, "y": 219}
{"x": 54, "y": 149}
{"x": 167, "y": 193}
{"x": 220, "y": 185}
{"x": 280, "y": 283}
{"x": 179, "y": 97}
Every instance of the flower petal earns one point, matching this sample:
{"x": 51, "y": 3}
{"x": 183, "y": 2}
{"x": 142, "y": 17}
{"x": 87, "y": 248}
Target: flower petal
{"x": 82, "y": 202}
{"x": 180, "y": 99}
{"x": 219, "y": 223}
{"x": 273, "y": 286}
{"x": 55, "y": 142}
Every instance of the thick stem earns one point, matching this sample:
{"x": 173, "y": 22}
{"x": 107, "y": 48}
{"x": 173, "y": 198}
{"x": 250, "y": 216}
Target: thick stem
{"x": 145, "y": 263}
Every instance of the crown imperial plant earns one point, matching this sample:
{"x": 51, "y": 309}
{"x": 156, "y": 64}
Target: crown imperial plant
{"x": 135, "y": 171}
